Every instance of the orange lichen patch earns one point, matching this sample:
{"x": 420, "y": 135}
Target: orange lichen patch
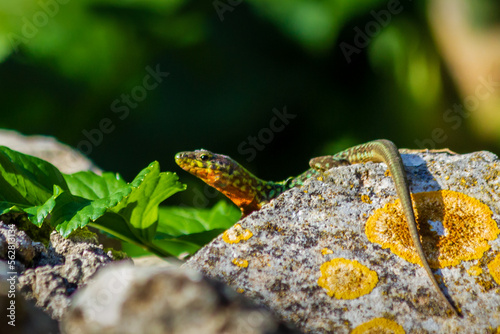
{"x": 379, "y": 326}
{"x": 346, "y": 279}
{"x": 494, "y": 268}
{"x": 366, "y": 199}
{"x": 466, "y": 222}
{"x": 475, "y": 271}
{"x": 326, "y": 251}
{"x": 236, "y": 234}
{"x": 240, "y": 263}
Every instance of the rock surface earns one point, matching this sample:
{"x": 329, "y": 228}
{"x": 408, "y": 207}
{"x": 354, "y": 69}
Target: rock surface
{"x": 126, "y": 299}
{"x": 25, "y": 318}
{"x": 65, "y": 158}
{"x": 49, "y": 275}
{"x": 316, "y": 234}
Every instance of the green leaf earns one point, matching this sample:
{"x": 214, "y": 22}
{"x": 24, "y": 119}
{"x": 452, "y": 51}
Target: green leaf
{"x": 128, "y": 211}
{"x": 27, "y": 180}
{"x": 92, "y": 186}
{"x": 136, "y": 203}
{"x": 178, "y": 221}
{"x": 149, "y": 189}
{"x": 172, "y": 246}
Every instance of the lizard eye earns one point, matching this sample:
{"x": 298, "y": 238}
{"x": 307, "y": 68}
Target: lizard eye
{"x": 204, "y": 157}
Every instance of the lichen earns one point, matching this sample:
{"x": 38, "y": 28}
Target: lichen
{"x": 242, "y": 263}
{"x": 379, "y": 326}
{"x": 326, "y": 251}
{"x": 475, "y": 271}
{"x": 466, "y": 221}
{"x": 366, "y": 199}
{"x": 236, "y": 234}
{"x": 346, "y": 279}
{"x": 494, "y": 268}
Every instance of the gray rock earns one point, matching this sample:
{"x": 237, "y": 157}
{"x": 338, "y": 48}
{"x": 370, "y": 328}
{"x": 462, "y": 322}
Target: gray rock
{"x": 275, "y": 255}
{"x": 56, "y": 271}
{"x": 126, "y": 299}
{"x": 65, "y": 158}
{"x": 23, "y": 249}
{"x": 18, "y": 315}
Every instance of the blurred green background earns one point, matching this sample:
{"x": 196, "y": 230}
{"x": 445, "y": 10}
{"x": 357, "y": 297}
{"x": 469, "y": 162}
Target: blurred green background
{"x": 346, "y": 71}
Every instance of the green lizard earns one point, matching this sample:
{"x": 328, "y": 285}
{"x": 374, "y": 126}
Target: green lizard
{"x": 249, "y": 193}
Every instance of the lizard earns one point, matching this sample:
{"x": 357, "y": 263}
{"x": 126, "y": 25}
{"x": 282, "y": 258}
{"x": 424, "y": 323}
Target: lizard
{"x": 249, "y": 192}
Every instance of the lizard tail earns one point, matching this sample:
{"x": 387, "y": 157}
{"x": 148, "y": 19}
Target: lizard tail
{"x": 385, "y": 151}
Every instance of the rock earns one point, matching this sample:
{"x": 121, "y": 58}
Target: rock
{"x": 21, "y": 245}
{"x": 47, "y": 276}
{"x": 18, "y": 315}
{"x": 126, "y": 299}
{"x": 65, "y": 158}
{"x": 307, "y": 257}
{"x": 56, "y": 271}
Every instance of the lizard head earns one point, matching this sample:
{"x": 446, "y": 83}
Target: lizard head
{"x": 224, "y": 174}
{"x": 210, "y": 167}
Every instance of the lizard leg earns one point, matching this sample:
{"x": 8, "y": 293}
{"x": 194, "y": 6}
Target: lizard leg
{"x": 383, "y": 150}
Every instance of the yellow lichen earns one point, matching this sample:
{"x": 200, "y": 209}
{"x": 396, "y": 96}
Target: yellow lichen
{"x": 494, "y": 268}
{"x": 366, "y": 199}
{"x": 475, "y": 271}
{"x": 379, "y": 326}
{"x": 466, "y": 222}
{"x": 240, "y": 262}
{"x": 346, "y": 279}
{"x": 236, "y": 234}
{"x": 326, "y": 251}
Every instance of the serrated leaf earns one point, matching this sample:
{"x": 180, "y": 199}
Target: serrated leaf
{"x": 149, "y": 189}
{"x": 128, "y": 211}
{"x": 27, "y": 180}
{"x": 89, "y": 185}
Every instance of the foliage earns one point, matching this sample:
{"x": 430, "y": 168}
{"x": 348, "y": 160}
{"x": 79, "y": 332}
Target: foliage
{"x": 231, "y": 63}
{"x": 128, "y": 211}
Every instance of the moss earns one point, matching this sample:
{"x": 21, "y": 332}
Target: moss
{"x": 494, "y": 268}
{"x": 236, "y": 234}
{"x": 379, "y": 326}
{"x": 83, "y": 234}
{"x": 39, "y": 234}
{"x": 466, "y": 221}
{"x": 346, "y": 279}
{"x": 116, "y": 254}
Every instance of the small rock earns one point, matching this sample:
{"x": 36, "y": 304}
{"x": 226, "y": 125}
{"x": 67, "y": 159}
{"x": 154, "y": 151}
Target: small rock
{"x": 126, "y": 299}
